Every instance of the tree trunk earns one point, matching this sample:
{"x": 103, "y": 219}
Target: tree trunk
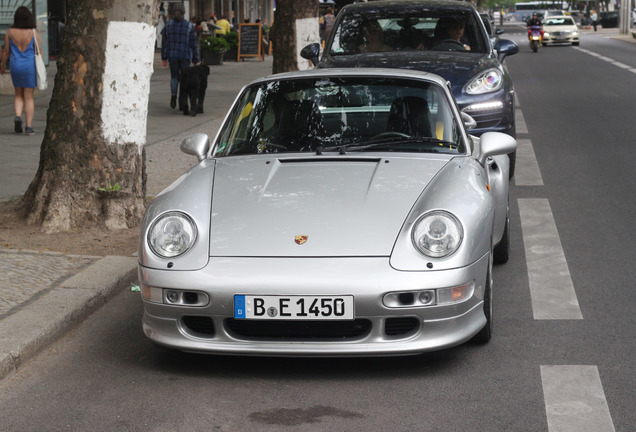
{"x": 289, "y": 31}
{"x": 96, "y": 121}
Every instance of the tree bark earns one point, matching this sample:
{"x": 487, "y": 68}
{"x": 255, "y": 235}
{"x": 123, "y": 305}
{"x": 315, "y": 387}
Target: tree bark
{"x": 96, "y": 120}
{"x": 284, "y": 35}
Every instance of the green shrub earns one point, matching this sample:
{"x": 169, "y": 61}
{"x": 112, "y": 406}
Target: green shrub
{"x": 232, "y": 39}
{"x": 214, "y": 44}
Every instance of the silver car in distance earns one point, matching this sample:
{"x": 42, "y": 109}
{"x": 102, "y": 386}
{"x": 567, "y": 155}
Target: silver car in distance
{"x": 340, "y": 212}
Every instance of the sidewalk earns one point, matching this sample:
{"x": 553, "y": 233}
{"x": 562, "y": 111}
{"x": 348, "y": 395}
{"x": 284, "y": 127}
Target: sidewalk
{"x": 45, "y": 294}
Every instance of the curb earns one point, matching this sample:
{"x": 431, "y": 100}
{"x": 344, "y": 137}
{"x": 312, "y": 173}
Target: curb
{"x": 26, "y": 332}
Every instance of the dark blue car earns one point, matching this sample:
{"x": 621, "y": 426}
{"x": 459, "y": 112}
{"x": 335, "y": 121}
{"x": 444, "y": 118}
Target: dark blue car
{"x": 446, "y": 38}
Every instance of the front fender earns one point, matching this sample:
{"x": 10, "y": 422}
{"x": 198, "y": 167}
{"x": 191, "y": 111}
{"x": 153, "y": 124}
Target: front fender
{"x": 460, "y": 188}
{"x": 192, "y": 194}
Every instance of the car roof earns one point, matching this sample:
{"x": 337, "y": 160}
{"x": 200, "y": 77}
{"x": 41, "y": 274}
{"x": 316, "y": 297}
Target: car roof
{"x": 359, "y": 72}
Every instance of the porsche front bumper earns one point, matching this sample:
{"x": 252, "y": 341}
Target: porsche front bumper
{"x": 377, "y": 329}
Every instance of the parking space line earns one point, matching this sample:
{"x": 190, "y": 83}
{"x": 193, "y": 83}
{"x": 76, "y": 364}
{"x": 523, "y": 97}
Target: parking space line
{"x": 575, "y": 400}
{"x": 527, "y": 171}
{"x": 551, "y": 288}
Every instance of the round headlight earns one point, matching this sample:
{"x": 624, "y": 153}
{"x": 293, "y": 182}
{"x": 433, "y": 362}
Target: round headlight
{"x": 486, "y": 82}
{"x": 172, "y": 234}
{"x": 437, "y": 234}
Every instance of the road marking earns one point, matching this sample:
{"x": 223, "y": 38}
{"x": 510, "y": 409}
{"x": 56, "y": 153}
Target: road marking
{"x": 527, "y": 171}
{"x": 621, "y": 65}
{"x": 574, "y": 399}
{"x": 520, "y": 122}
{"x": 551, "y": 287}
{"x": 607, "y": 59}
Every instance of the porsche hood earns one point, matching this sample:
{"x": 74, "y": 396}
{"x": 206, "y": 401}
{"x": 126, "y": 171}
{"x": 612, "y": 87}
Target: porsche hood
{"x": 314, "y": 206}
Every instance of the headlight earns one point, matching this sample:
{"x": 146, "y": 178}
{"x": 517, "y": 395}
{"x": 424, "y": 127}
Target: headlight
{"x": 437, "y": 234}
{"x": 486, "y": 82}
{"x": 172, "y": 234}
{"x": 546, "y": 34}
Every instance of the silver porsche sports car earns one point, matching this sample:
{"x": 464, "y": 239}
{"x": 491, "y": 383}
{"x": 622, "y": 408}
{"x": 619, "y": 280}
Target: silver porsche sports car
{"x": 338, "y": 212}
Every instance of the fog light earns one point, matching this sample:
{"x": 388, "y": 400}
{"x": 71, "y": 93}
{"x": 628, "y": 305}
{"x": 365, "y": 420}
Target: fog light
{"x": 427, "y": 297}
{"x": 172, "y": 296}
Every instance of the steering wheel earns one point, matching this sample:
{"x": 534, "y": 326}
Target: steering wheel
{"x": 455, "y": 45}
{"x": 390, "y": 134}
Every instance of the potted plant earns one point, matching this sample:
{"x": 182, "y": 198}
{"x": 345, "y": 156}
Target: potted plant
{"x": 232, "y": 39}
{"x": 212, "y": 50}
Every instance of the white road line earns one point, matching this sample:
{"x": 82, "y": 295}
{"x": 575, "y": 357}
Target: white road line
{"x": 621, "y": 65}
{"x": 527, "y": 171}
{"x": 551, "y": 287}
{"x": 607, "y": 59}
{"x": 520, "y": 122}
{"x": 574, "y": 399}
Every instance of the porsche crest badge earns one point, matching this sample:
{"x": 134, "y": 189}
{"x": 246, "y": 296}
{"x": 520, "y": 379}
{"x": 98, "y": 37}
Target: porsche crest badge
{"x": 300, "y": 239}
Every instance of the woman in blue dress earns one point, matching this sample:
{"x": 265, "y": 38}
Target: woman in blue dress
{"x": 19, "y": 47}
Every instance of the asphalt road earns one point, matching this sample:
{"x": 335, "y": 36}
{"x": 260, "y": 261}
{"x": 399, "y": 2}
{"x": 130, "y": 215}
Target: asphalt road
{"x": 541, "y": 367}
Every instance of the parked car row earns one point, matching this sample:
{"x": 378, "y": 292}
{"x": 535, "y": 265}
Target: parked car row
{"x": 354, "y": 209}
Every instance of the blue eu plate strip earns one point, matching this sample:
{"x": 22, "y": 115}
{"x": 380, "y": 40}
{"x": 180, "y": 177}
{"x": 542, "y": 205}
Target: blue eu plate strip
{"x": 239, "y": 306}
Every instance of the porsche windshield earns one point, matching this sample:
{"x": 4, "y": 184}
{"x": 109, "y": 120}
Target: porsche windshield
{"x": 359, "y": 114}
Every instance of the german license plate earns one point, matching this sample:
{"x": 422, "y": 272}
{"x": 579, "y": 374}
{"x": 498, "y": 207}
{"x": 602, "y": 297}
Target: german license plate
{"x": 294, "y": 307}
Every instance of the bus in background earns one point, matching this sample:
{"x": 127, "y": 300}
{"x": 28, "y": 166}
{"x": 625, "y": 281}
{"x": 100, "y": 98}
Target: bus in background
{"x": 524, "y": 11}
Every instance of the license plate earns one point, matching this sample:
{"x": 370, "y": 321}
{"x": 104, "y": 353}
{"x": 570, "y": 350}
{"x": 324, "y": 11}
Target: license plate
{"x": 294, "y": 307}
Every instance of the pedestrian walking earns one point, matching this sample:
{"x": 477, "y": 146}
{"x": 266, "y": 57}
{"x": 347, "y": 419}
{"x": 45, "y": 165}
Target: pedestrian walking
{"x": 326, "y": 24}
{"x": 178, "y": 48}
{"x": 19, "y": 49}
{"x": 594, "y": 19}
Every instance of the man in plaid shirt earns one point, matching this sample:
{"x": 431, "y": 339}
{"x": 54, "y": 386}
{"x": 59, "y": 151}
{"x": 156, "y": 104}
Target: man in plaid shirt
{"x": 178, "y": 48}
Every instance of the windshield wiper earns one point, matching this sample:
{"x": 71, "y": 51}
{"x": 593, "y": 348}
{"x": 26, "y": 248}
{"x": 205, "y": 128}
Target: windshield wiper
{"x": 412, "y": 143}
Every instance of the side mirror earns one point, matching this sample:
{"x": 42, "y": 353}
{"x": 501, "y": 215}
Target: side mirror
{"x": 499, "y": 31}
{"x": 197, "y": 145}
{"x": 469, "y": 122}
{"x": 495, "y": 143}
{"x": 506, "y": 47}
{"x": 311, "y": 52}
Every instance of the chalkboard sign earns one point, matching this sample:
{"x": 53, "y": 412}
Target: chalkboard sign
{"x": 249, "y": 41}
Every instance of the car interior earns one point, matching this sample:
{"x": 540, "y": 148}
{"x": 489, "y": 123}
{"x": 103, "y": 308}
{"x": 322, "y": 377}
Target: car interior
{"x": 407, "y": 33}
{"x": 303, "y": 118}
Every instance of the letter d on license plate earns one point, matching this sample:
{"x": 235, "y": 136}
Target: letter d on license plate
{"x": 294, "y": 307}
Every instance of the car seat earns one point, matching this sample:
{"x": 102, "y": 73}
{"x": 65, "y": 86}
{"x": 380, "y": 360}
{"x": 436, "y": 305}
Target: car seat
{"x": 410, "y": 115}
{"x": 300, "y": 125}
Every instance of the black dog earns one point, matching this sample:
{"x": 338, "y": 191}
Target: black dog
{"x": 193, "y": 83}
